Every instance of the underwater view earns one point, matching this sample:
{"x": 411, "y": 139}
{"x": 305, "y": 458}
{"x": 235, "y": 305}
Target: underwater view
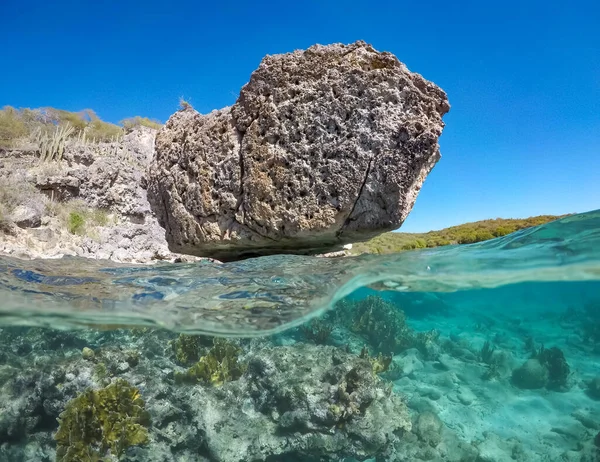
{"x": 481, "y": 352}
{"x": 333, "y": 231}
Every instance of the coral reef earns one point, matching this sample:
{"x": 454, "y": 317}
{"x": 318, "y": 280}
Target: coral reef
{"x": 383, "y": 325}
{"x": 380, "y": 363}
{"x": 593, "y": 388}
{"x": 317, "y": 331}
{"x": 547, "y": 368}
{"x": 188, "y": 348}
{"x": 298, "y": 402}
{"x": 486, "y": 354}
{"x": 221, "y": 364}
{"x": 101, "y": 422}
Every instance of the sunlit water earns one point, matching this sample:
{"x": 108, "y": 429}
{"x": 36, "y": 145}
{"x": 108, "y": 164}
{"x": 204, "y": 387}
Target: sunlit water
{"x": 525, "y": 293}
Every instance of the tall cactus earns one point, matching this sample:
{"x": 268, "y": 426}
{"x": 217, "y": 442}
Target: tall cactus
{"x": 52, "y": 146}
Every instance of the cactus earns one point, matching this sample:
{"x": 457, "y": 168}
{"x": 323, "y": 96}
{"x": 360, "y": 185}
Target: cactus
{"x": 52, "y": 146}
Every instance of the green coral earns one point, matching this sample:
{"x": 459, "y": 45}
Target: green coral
{"x": 188, "y": 348}
{"x": 218, "y": 366}
{"x": 99, "y": 422}
{"x": 383, "y": 325}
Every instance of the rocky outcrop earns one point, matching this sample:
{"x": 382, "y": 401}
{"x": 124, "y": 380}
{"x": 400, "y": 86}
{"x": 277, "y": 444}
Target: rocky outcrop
{"x": 107, "y": 176}
{"x": 323, "y": 147}
{"x": 106, "y": 179}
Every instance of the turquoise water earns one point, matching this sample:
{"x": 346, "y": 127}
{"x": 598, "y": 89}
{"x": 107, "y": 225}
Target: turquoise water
{"x": 485, "y": 352}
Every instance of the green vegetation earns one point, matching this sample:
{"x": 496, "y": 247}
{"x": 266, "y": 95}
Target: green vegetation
{"x": 137, "y": 121}
{"x": 218, "y": 366}
{"x": 76, "y": 224}
{"x": 467, "y": 233}
{"x": 50, "y": 128}
{"x": 52, "y": 144}
{"x": 184, "y": 104}
{"x": 99, "y": 131}
{"x": 77, "y": 217}
{"x": 12, "y": 126}
{"x": 99, "y": 422}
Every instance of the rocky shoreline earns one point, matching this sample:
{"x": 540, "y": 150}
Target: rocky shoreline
{"x": 324, "y": 147}
{"x": 101, "y": 184}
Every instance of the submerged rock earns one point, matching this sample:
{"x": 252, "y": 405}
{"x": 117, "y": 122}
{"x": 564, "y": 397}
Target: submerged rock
{"x": 593, "y": 388}
{"x": 428, "y": 428}
{"x": 284, "y": 409}
{"x": 323, "y": 147}
{"x": 531, "y": 375}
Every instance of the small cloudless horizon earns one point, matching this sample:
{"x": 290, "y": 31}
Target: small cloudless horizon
{"x": 523, "y": 78}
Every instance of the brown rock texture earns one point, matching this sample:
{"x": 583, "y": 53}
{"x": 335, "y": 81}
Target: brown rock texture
{"x": 323, "y": 147}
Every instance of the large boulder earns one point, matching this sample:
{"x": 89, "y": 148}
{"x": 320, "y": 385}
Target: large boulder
{"x": 323, "y": 147}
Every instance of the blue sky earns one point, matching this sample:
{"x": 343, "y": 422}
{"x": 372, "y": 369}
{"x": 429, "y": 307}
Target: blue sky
{"x": 523, "y": 78}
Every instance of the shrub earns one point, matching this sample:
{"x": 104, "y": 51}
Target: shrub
{"x": 77, "y": 217}
{"x": 16, "y": 124}
{"x": 184, "y": 104}
{"x": 3, "y": 214}
{"x": 467, "y": 233}
{"x": 99, "y": 131}
{"x": 137, "y": 121}
{"x": 78, "y": 120}
{"x": 76, "y": 223}
{"x": 99, "y": 217}
{"x": 16, "y": 191}
{"x": 12, "y": 126}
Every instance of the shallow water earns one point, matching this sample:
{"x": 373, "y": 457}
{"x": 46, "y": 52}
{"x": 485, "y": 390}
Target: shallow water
{"x": 466, "y": 318}
{"x": 270, "y": 294}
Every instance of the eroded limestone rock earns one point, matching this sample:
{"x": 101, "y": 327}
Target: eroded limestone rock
{"x": 323, "y": 147}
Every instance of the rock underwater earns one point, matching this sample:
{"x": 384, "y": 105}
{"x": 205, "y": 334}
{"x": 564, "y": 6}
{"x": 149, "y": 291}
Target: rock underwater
{"x": 323, "y": 147}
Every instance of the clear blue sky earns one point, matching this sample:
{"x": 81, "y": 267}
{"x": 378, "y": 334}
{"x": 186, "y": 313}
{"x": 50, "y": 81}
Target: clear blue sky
{"x": 523, "y": 78}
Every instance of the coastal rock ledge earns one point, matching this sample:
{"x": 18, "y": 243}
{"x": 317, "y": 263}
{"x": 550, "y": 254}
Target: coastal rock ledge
{"x": 323, "y": 147}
